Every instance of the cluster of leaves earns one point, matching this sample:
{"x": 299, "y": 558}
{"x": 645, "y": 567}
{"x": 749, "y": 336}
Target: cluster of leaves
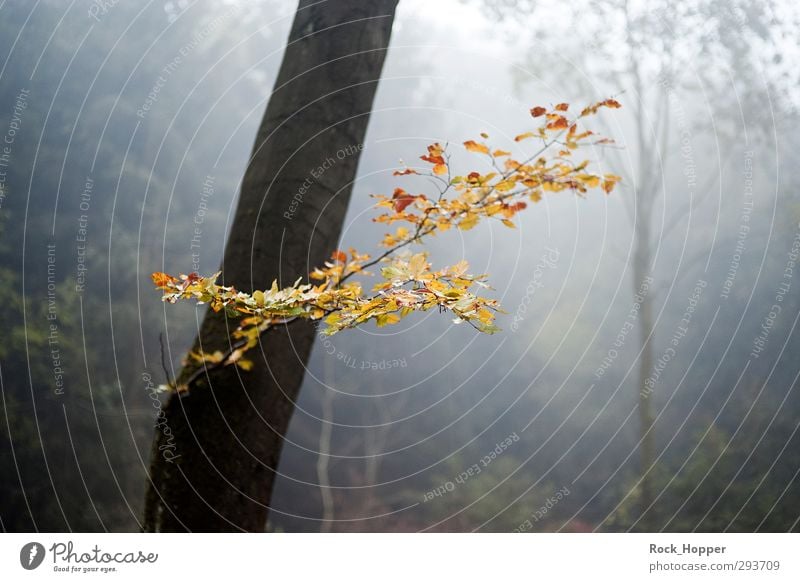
{"x": 408, "y": 282}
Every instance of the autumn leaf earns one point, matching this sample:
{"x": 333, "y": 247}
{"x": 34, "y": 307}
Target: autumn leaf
{"x": 505, "y": 186}
{"x": 259, "y": 297}
{"x": 609, "y": 181}
{"x": 402, "y": 199}
{"x": 476, "y": 147}
{"x": 244, "y": 364}
{"x": 592, "y": 109}
{"x": 474, "y": 177}
{"x": 339, "y": 256}
{"x": 469, "y": 222}
{"x": 434, "y": 155}
{"x": 459, "y": 268}
{"x": 417, "y": 266}
{"x": 562, "y": 107}
{"x": 538, "y": 111}
{"x": 162, "y": 280}
{"x": 386, "y": 319}
{"x": 559, "y": 123}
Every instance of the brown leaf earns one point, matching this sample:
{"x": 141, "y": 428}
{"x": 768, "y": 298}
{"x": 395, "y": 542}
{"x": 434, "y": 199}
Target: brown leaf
{"x": 402, "y": 199}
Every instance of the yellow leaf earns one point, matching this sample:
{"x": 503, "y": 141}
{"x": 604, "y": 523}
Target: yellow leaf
{"x": 417, "y": 266}
{"x": 589, "y": 180}
{"x": 508, "y": 223}
{"x": 259, "y": 297}
{"x": 459, "y": 268}
{"x": 505, "y": 185}
{"x": 468, "y": 222}
{"x": 493, "y": 209}
{"x": 485, "y": 316}
{"x": 386, "y": 319}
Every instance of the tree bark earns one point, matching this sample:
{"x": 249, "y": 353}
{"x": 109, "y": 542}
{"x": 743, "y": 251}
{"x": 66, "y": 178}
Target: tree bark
{"x": 215, "y": 457}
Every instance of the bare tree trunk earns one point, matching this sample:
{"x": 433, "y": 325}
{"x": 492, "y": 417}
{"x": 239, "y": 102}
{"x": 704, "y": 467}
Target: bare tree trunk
{"x": 215, "y": 467}
{"x": 641, "y": 266}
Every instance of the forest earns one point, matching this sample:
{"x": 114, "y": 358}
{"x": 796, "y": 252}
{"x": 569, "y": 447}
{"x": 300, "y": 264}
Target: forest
{"x": 627, "y": 359}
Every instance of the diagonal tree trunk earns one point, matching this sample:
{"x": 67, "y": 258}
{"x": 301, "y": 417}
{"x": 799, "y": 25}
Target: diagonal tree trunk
{"x": 215, "y": 457}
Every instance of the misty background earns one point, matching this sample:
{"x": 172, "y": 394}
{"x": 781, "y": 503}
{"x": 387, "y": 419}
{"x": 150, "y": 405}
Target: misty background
{"x": 126, "y": 126}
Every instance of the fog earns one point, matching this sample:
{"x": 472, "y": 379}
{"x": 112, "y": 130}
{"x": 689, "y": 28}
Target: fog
{"x": 130, "y": 130}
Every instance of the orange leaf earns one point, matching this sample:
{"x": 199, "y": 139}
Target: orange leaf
{"x": 434, "y": 154}
{"x": 560, "y": 123}
{"x": 562, "y": 106}
{"x": 609, "y": 181}
{"x": 161, "y": 280}
{"x": 476, "y": 147}
{"x": 339, "y": 256}
{"x": 538, "y": 111}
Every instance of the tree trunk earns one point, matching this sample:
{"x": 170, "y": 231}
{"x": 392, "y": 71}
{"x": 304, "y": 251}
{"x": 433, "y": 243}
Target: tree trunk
{"x": 215, "y": 458}
{"x": 641, "y": 270}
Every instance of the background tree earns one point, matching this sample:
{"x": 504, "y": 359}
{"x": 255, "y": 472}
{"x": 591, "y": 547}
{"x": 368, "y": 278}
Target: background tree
{"x": 665, "y": 56}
